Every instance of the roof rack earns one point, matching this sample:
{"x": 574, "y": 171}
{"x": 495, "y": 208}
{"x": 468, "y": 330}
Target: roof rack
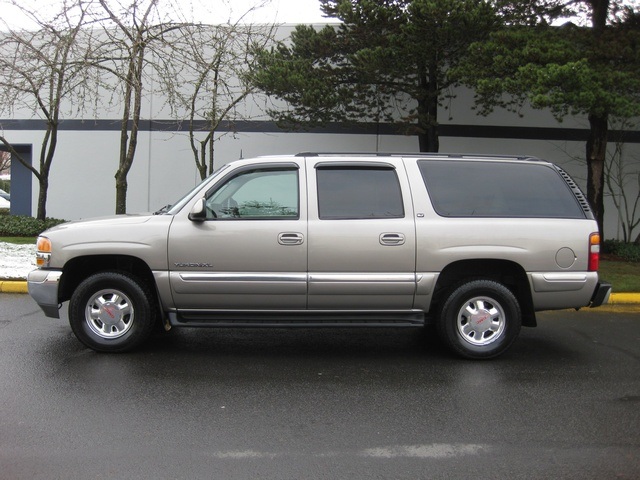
{"x": 418, "y": 154}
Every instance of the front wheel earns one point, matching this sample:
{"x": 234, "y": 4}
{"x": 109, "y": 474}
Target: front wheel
{"x": 112, "y": 312}
{"x": 480, "y": 319}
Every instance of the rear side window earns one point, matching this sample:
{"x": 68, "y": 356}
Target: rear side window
{"x": 497, "y": 189}
{"x": 358, "y": 193}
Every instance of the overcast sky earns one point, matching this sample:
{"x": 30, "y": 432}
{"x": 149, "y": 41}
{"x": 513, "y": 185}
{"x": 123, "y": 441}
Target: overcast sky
{"x": 207, "y": 11}
{"x": 289, "y": 11}
{"x": 213, "y": 11}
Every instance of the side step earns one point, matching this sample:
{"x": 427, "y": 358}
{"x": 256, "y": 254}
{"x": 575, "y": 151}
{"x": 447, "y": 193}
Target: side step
{"x": 297, "y": 318}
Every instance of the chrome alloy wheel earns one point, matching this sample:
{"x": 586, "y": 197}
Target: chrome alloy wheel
{"x": 481, "y": 321}
{"x": 109, "y": 314}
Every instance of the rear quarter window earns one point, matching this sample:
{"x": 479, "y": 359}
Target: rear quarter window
{"x": 498, "y": 189}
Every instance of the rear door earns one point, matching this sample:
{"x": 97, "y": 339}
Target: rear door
{"x": 251, "y": 251}
{"x": 361, "y": 235}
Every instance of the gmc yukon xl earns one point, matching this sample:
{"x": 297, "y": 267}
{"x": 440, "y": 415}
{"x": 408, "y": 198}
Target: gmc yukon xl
{"x": 473, "y": 244}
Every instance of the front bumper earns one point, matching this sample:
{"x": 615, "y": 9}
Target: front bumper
{"x": 601, "y": 294}
{"x": 43, "y": 288}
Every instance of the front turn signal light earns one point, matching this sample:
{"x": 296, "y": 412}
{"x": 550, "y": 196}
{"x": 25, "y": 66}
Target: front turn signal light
{"x": 43, "y": 252}
{"x": 594, "y": 252}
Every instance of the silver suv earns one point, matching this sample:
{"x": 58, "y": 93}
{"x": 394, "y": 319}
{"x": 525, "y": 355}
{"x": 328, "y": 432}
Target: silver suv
{"x": 474, "y": 244}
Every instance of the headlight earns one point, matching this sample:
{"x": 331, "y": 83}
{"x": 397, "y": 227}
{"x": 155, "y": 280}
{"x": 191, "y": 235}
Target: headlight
{"x": 43, "y": 252}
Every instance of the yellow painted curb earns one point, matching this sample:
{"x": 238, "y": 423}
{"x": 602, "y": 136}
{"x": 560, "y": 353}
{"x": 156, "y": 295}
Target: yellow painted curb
{"x": 7, "y": 286}
{"x": 619, "y": 298}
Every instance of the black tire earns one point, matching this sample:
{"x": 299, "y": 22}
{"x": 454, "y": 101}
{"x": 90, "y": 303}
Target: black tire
{"x": 112, "y": 312}
{"x": 480, "y": 319}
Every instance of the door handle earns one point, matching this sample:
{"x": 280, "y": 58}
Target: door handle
{"x": 290, "y": 238}
{"x": 392, "y": 239}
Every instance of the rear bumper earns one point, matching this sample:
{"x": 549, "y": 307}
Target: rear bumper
{"x": 559, "y": 290}
{"x": 601, "y": 294}
{"x": 43, "y": 288}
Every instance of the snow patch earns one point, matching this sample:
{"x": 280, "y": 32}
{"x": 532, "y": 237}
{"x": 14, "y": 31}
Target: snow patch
{"x": 16, "y": 261}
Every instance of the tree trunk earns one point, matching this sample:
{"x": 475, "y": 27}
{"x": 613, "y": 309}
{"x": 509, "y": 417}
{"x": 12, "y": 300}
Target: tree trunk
{"x": 121, "y": 174}
{"x": 202, "y": 169}
{"x": 428, "y": 137}
{"x": 121, "y": 182}
{"x": 43, "y": 182}
{"x": 428, "y": 141}
{"x": 121, "y": 192}
{"x": 596, "y": 154}
{"x": 49, "y": 145}
{"x": 599, "y": 13}
{"x": 129, "y": 140}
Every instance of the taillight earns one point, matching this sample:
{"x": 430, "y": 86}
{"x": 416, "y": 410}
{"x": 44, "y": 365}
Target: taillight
{"x": 594, "y": 252}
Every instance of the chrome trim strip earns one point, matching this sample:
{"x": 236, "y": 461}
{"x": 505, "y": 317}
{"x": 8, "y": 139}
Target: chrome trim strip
{"x": 565, "y": 277}
{"x": 355, "y": 164}
{"x": 364, "y": 278}
{"x": 295, "y": 277}
{"x": 243, "y": 277}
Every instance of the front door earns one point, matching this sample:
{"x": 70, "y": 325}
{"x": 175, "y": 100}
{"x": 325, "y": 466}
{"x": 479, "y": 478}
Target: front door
{"x": 251, "y": 251}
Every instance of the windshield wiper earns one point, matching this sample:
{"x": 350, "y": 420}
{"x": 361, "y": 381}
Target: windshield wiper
{"x": 164, "y": 209}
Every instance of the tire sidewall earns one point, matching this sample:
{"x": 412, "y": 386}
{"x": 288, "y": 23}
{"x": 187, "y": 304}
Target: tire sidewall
{"x": 447, "y": 321}
{"x": 138, "y": 294}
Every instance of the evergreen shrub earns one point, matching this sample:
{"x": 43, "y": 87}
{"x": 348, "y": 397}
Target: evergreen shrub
{"x": 23, "y": 226}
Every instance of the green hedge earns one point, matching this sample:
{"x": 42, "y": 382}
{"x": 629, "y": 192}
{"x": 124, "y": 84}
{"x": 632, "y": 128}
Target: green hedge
{"x": 629, "y": 252}
{"x": 22, "y": 226}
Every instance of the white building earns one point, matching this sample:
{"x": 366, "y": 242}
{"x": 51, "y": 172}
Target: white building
{"x": 82, "y": 176}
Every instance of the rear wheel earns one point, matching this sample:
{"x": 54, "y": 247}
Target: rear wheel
{"x": 112, "y": 312}
{"x": 480, "y": 319}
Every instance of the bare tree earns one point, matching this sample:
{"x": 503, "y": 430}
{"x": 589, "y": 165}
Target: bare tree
{"x": 5, "y": 162}
{"x": 213, "y": 81}
{"x": 622, "y": 175}
{"x": 41, "y": 68}
{"x": 132, "y": 31}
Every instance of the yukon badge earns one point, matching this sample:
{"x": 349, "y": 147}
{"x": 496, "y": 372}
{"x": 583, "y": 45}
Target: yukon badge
{"x": 192, "y": 265}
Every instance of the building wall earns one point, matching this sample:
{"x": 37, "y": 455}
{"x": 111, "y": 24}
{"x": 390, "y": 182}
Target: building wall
{"x": 82, "y": 180}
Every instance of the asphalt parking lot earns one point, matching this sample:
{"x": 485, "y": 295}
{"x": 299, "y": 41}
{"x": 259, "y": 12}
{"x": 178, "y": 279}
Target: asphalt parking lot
{"x": 564, "y": 402}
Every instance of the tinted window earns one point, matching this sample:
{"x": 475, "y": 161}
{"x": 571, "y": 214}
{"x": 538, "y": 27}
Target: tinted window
{"x": 256, "y": 194}
{"x": 357, "y": 192}
{"x": 486, "y": 189}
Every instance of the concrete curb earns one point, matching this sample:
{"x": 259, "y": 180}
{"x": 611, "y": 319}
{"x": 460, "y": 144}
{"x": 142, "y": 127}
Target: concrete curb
{"x": 18, "y": 286}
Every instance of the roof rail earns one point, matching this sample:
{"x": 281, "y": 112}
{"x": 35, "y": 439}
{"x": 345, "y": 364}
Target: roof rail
{"x": 418, "y": 154}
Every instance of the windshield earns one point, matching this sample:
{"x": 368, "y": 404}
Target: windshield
{"x": 175, "y": 208}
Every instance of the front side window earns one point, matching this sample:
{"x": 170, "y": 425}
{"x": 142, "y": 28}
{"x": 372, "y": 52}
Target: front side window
{"x": 256, "y": 194}
{"x": 358, "y": 193}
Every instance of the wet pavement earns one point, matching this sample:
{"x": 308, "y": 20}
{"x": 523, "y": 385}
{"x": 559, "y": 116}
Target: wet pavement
{"x": 564, "y": 402}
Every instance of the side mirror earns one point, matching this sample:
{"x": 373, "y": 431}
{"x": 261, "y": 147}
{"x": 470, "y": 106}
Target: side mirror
{"x": 199, "y": 212}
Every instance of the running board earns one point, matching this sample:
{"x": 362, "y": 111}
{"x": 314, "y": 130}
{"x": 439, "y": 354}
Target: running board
{"x": 305, "y": 319}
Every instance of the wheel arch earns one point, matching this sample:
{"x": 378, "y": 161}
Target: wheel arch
{"x": 508, "y": 273}
{"x": 79, "y": 268}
